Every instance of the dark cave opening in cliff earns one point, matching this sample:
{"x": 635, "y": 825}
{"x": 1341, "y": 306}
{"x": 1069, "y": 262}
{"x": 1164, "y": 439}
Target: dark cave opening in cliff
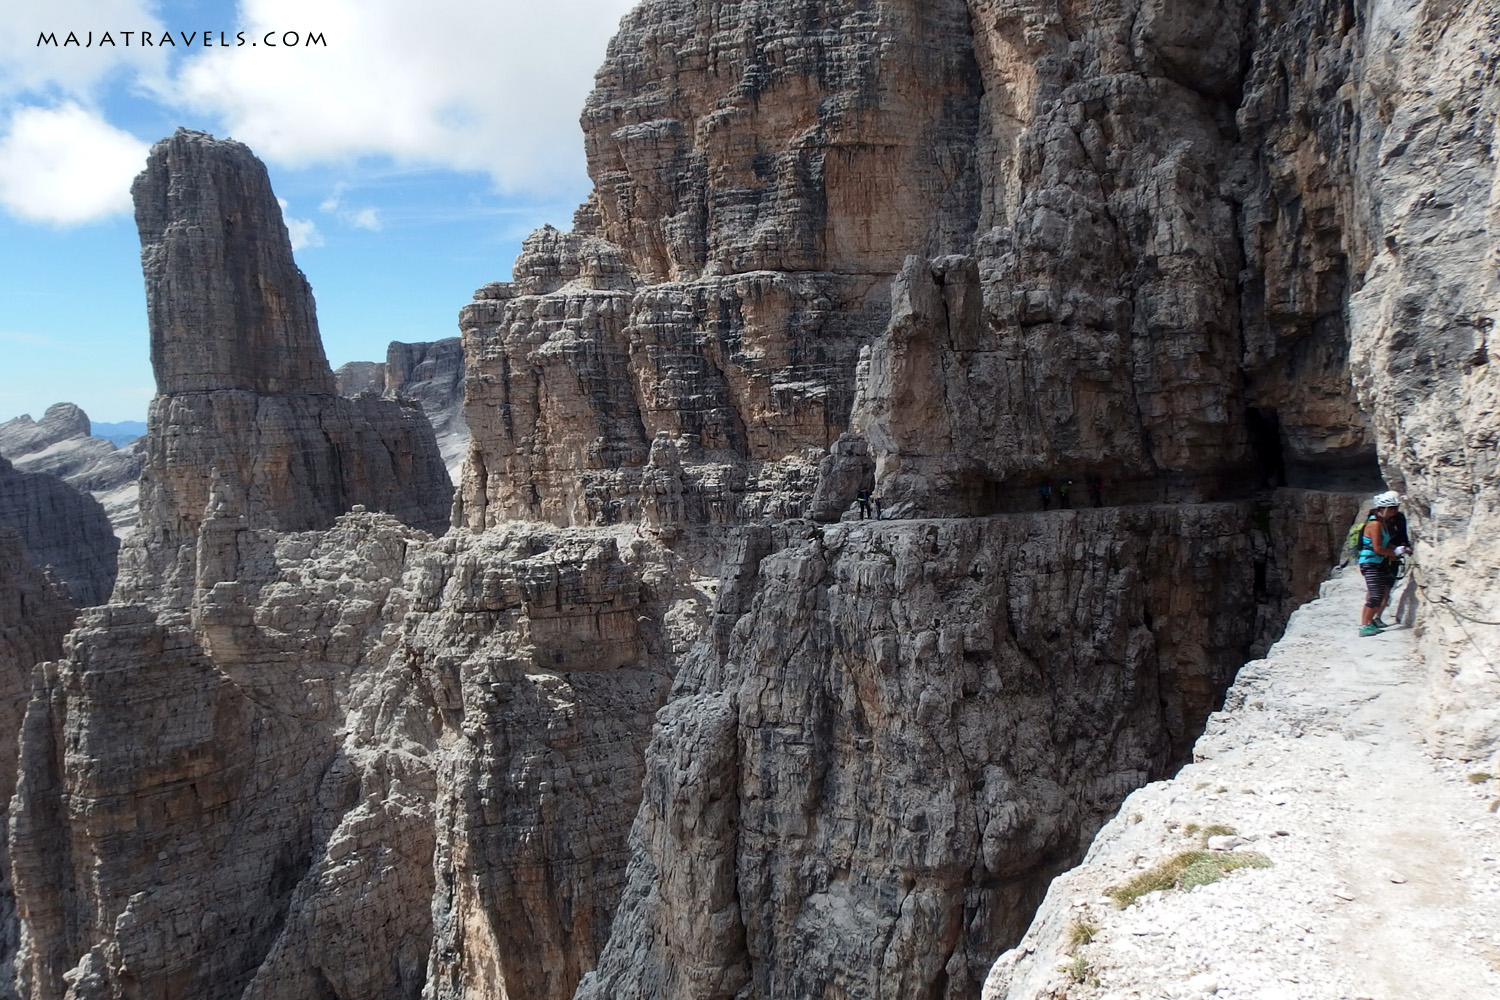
{"x": 1263, "y": 428}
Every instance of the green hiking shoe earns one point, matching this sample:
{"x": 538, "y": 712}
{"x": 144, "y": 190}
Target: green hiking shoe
{"x": 1380, "y": 624}
{"x": 1371, "y": 629}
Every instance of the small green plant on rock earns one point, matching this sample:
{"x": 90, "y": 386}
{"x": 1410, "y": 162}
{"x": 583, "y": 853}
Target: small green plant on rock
{"x": 1080, "y": 971}
{"x": 1081, "y": 932}
{"x": 1480, "y": 777}
{"x": 1186, "y": 870}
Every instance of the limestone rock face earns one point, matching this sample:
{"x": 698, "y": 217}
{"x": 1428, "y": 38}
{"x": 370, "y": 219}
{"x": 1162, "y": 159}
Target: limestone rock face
{"x": 227, "y": 305}
{"x": 190, "y": 743}
{"x": 63, "y": 529}
{"x": 949, "y": 252}
{"x": 382, "y": 761}
{"x": 61, "y": 422}
{"x": 747, "y": 216}
{"x": 432, "y": 373}
{"x": 60, "y": 445}
{"x": 247, "y": 402}
{"x": 35, "y": 613}
{"x": 917, "y": 724}
{"x": 1142, "y": 306}
{"x": 1427, "y": 102}
{"x": 359, "y": 377}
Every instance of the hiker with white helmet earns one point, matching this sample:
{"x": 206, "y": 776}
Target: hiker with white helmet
{"x": 1378, "y": 555}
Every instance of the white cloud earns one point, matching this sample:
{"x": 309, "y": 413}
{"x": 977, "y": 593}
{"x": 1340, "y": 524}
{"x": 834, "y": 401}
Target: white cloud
{"x": 492, "y": 86}
{"x": 54, "y": 72}
{"x": 359, "y": 218}
{"x": 303, "y": 232}
{"x": 66, "y": 165}
{"x": 486, "y": 85}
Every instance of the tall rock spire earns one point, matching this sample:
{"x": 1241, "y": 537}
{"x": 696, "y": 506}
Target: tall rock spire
{"x": 246, "y": 401}
{"x": 229, "y": 308}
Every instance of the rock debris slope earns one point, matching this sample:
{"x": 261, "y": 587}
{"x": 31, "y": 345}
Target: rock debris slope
{"x": 946, "y": 252}
{"x": 1384, "y": 879}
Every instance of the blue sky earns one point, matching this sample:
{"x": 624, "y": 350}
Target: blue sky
{"x": 413, "y": 152}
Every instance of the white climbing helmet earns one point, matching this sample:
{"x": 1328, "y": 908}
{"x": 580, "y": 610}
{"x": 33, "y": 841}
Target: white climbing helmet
{"x": 1390, "y": 498}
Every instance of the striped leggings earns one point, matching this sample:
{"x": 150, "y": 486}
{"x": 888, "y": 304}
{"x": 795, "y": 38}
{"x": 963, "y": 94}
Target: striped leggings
{"x": 1379, "y": 579}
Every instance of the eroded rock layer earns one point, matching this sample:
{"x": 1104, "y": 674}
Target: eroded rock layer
{"x": 760, "y": 170}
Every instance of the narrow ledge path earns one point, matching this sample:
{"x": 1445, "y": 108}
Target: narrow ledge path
{"x": 1384, "y": 881}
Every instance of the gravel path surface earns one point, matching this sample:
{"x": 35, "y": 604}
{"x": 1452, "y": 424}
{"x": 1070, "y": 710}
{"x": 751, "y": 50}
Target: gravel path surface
{"x": 1384, "y": 881}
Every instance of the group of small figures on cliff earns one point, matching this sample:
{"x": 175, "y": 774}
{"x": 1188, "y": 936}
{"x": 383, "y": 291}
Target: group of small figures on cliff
{"x": 1064, "y": 493}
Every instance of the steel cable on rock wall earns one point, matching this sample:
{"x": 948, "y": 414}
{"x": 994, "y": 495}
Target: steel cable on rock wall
{"x": 1443, "y": 600}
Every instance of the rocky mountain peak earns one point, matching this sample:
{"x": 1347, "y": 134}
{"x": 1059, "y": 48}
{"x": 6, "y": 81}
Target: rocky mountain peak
{"x": 247, "y": 403}
{"x": 228, "y": 307}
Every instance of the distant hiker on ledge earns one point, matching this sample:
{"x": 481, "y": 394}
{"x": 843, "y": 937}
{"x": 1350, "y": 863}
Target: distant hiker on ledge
{"x": 1378, "y": 555}
{"x": 879, "y": 512}
{"x": 1045, "y": 492}
{"x": 1096, "y": 490}
{"x": 1063, "y": 499}
{"x": 863, "y": 499}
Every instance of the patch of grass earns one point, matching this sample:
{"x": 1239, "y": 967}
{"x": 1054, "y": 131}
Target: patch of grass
{"x": 1480, "y": 777}
{"x": 1081, "y": 932}
{"x": 1220, "y": 790}
{"x": 1211, "y": 830}
{"x": 1080, "y": 971}
{"x": 1445, "y": 108}
{"x": 1186, "y": 870}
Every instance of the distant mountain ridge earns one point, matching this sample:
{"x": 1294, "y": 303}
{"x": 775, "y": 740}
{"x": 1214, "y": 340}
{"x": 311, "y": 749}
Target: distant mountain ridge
{"x": 119, "y": 433}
